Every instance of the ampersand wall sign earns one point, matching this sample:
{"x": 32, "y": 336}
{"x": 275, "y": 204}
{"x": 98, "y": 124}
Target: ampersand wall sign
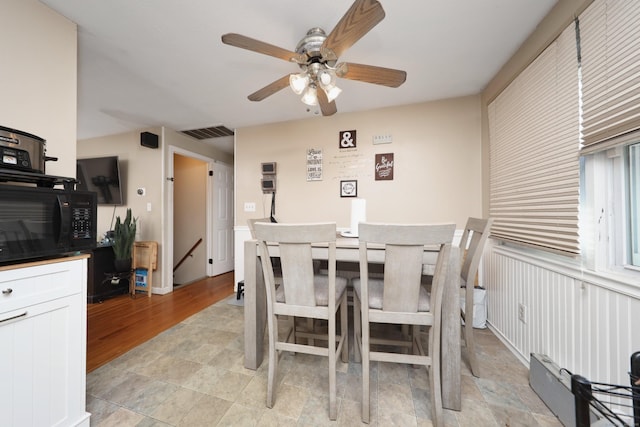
{"x": 347, "y": 139}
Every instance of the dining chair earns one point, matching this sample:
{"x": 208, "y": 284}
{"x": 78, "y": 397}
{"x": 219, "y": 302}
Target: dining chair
{"x": 399, "y": 299}
{"x": 277, "y": 270}
{"x": 303, "y": 294}
{"x": 472, "y": 243}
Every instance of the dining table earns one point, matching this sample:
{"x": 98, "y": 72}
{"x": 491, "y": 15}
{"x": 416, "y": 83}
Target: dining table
{"x": 347, "y": 251}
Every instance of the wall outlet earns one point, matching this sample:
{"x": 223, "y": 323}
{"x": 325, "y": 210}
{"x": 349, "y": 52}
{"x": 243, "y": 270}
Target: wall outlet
{"x": 249, "y": 207}
{"x": 522, "y": 313}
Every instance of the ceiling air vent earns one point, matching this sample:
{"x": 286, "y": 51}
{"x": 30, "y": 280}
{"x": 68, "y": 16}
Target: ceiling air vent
{"x": 207, "y": 133}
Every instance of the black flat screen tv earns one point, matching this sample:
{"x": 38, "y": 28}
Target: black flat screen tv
{"x": 102, "y": 175}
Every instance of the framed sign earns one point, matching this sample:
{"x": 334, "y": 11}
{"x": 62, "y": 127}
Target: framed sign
{"x": 347, "y": 139}
{"x": 314, "y": 164}
{"x": 349, "y": 188}
{"x": 384, "y": 167}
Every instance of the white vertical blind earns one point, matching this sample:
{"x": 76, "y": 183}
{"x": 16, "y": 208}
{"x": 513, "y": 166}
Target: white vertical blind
{"x": 610, "y": 44}
{"x": 534, "y": 152}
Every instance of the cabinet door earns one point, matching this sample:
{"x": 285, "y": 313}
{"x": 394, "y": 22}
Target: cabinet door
{"x": 43, "y": 364}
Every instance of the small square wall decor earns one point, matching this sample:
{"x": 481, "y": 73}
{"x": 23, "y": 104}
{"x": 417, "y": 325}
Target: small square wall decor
{"x": 349, "y": 188}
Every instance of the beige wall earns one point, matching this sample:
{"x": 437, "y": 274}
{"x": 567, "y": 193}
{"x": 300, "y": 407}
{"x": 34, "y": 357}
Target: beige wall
{"x": 437, "y": 160}
{"x": 144, "y": 167}
{"x": 140, "y": 167}
{"x": 38, "y": 78}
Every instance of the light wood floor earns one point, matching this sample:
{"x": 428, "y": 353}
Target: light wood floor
{"x": 117, "y": 325}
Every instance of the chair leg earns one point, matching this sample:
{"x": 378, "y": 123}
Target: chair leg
{"x": 471, "y": 348}
{"x": 273, "y": 362}
{"x": 415, "y": 336}
{"x": 468, "y": 332}
{"x": 333, "y": 411}
{"x": 344, "y": 330}
{"x": 357, "y": 326}
{"x": 365, "y": 374}
{"x": 436, "y": 398}
{"x": 310, "y": 328}
{"x": 437, "y": 415}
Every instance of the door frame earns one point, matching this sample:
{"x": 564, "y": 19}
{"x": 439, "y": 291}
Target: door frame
{"x": 209, "y": 243}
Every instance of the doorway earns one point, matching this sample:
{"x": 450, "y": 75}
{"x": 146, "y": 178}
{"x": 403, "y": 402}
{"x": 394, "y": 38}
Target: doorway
{"x": 202, "y": 217}
{"x": 189, "y": 219}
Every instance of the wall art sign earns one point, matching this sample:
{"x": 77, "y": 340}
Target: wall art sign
{"x": 347, "y": 139}
{"x": 384, "y": 167}
{"x": 314, "y": 164}
{"x": 349, "y": 188}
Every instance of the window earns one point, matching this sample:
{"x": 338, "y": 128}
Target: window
{"x": 634, "y": 203}
{"x": 609, "y": 209}
{"x": 534, "y": 153}
{"x": 609, "y": 44}
{"x": 564, "y": 145}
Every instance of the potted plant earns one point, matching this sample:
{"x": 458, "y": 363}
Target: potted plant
{"x": 124, "y": 236}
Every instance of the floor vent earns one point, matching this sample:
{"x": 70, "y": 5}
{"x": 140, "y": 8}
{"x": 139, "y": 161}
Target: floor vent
{"x": 210, "y": 132}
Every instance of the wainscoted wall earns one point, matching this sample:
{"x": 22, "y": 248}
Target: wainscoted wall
{"x": 587, "y": 324}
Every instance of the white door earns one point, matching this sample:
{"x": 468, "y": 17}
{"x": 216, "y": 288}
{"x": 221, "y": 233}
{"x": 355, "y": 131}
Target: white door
{"x": 222, "y": 257}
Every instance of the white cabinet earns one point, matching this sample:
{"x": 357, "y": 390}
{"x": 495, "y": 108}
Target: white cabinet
{"x": 43, "y": 326}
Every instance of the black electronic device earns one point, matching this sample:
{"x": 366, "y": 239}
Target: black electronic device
{"x": 268, "y": 184}
{"x": 102, "y": 175}
{"x": 269, "y": 168}
{"x": 39, "y": 222}
{"x": 148, "y": 139}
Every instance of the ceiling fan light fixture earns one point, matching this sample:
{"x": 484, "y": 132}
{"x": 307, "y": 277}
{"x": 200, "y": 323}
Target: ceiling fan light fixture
{"x": 332, "y": 92}
{"x": 326, "y": 78}
{"x": 310, "y": 96}
{"x": 327, "y": 81}
{"x": 317, "y": 56}
{"x": 298, "y": 82}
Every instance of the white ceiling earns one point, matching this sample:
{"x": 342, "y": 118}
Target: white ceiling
{"x": 148, "y": 63}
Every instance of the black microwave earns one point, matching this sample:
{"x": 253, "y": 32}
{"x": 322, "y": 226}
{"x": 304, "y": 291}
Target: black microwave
{"x": 38, "y": 222}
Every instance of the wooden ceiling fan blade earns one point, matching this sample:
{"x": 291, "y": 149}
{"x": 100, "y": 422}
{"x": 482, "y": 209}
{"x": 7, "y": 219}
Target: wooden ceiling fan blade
{"x": 371, "y": 74}
{"x": 361, "y": 17}
{"x": 244, "y": 42}
{"x": 270, "y": 89}
{"x": 327, "y": 108}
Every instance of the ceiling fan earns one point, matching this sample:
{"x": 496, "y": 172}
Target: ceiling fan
{"x": 317, "y": 55}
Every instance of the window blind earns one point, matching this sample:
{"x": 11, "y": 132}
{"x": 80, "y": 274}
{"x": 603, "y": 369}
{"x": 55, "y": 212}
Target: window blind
{"x": 534, "y": 152}
{"x": 610, "y": 45}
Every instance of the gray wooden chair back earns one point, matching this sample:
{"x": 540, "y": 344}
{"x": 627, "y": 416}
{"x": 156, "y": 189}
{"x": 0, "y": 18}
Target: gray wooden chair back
{"x": 404, "y": 248}
{"x": 474, "y": 238}
{"x": 294, "y": 247}
{"x": 251, "y": 222}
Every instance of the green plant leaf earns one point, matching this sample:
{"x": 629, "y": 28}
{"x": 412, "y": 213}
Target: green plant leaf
{"x": 124, "y": 236}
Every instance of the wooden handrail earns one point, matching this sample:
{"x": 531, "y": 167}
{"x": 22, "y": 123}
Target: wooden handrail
{"x": 187, "y": 255}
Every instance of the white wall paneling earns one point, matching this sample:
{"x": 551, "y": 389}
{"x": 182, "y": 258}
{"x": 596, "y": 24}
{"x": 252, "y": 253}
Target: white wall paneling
{"x": 583, "y": 324}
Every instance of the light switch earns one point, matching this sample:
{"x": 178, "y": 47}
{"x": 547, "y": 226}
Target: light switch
{"x": 149, "y": 207}
{"x": 249, "y": 207}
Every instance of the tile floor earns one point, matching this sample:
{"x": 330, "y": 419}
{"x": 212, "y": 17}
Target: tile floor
{"x": 193, "y": 375}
